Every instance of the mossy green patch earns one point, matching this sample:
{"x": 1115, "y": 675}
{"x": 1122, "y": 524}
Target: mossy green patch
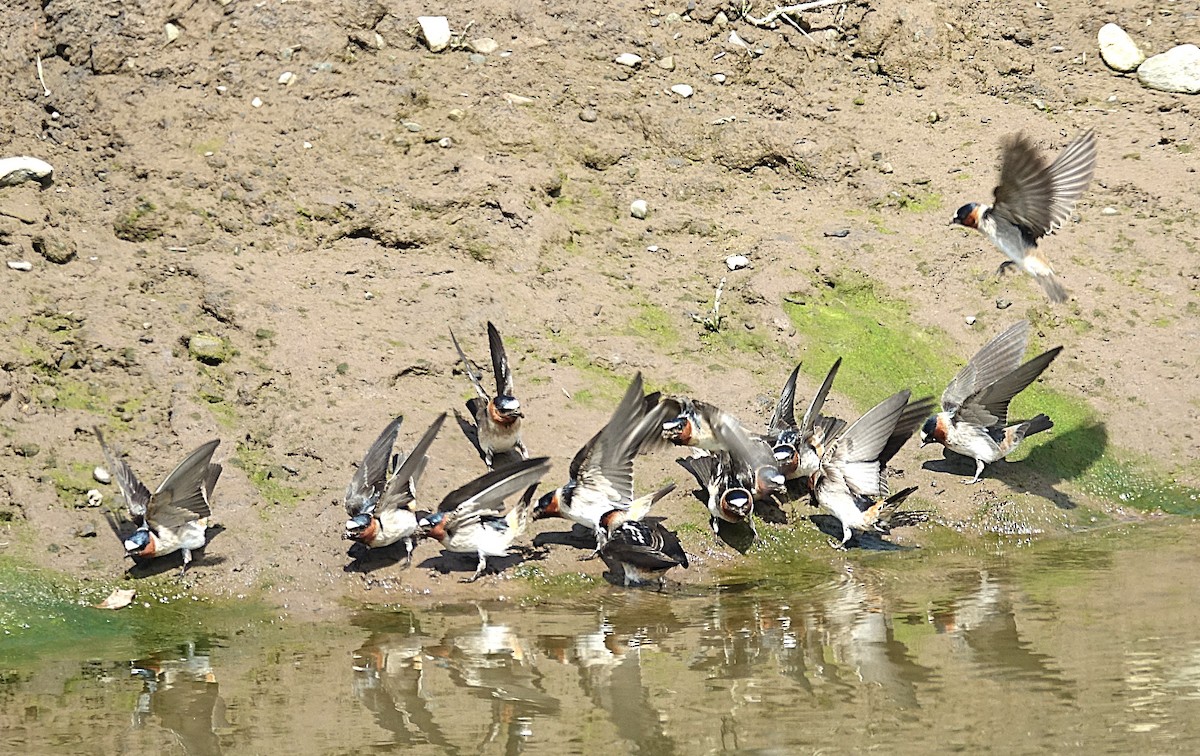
{"x": 268, "y": 479}
{"x": 655, "y": 326}
{"x": 548, "y": 586}
{"x": 885, "y": 351}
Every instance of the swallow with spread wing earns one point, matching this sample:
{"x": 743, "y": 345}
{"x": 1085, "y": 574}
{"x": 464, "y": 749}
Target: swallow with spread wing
{"x": 497, "y": 419}
{"x": 643, "y": 552}
{"x": 798, "y": 447}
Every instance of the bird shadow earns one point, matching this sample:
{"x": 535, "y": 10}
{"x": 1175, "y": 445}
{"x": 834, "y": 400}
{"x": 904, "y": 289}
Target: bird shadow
{"x": 578, "y": 537}
{"x": 366, "y": 560}
{"x": 865, "y": 540}
{"x": 453, "y": 561}
{"x": 768, "y": 510}
{"x": 1065, "y": 457}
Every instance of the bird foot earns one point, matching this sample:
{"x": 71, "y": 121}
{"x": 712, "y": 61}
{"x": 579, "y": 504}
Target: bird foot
{"x": 838, "y": 545}
{"x": 971, "y": 482}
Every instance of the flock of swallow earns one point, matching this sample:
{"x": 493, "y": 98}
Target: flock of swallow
{"x": 841, "y": 467}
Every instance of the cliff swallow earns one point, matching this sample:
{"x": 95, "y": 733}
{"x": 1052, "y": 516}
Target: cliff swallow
{"x": 726, "y": 500}
{"x": 601, "y": 473}
{"x": 851, "y": 479}
{"x": 469, "y": 519}
{"x": 798, "y": 447}
{"x": 174, "y": 517}
{"x": 637, "y": 511}
{"x": 644, "y": 552}
{"x": 751, "y": 459}
{"x": 381, "y": 496}
{"x": 1032, "y": 200}
{"x": 497, "y": 419}
{"x": 974, "y": 417}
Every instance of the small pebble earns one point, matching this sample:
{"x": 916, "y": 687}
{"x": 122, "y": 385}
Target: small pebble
{"x": 629, "y": 59}
{"x": 652, "y": 248}
{"x": 683, "y": 90}
{"x": 287, "y": 77}
{"x": 256, "y": 102}
{"x": 667, "y": 63}
{"x": 1040, "y": 105}
{"x": 485, "y": 45}
{"x": 455, "y": 114}
{"x": 477, "y": 59}
{"x": 933, "y": 116}
{"x": 412, "y": 126}
{"x": 639, "y": 209}
{"x": 101, "y": 475}
{"x": 886, "y": 168}
{"x": 970, "y": 319}
{"x": 94, "y": 498}
{"x": 171, "y": 31}
{"x": 1109, "y": 211}
{"x": 86, "y": 530}
{"x": 1003, "y": 304}
{"x": 588, "y": 115}
{"x": 24, "y": 265}
{"x": 737, "y": 262}
{"x": 436, "y": 31}
{"x": 445, "y": 143}
{"x": 719, "y": 78}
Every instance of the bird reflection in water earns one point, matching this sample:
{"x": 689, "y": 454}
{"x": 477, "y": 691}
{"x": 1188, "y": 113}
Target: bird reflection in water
{"x": 181, "y": 693}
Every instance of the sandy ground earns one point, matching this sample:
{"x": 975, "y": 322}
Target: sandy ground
{"x": 331, "y": 229}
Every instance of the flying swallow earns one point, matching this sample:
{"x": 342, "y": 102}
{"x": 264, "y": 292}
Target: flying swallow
{"x": 601, "y": 473}
{"x": 469, "y": 519}
{"x": 797, "y": 448}
{"x": 726, "y": 500}
{"x": 974, "y": 417}
{"x": 382, "y": 494}
{"x": 498, "y": 418}
{"x": 1032, "y": 200}
{"x": 705, "y": 426}
{"x": 644, "y": 552}
{"x": 851, "y": 480}
{"x": 174, "y": 517}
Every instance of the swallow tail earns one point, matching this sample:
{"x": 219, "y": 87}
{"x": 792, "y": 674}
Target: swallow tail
{"x": 1054, "y": 289}
{"x": 641, "y": 505}
{"x": 1036, "y": 425}
{"x": 886, "y": 514}
{"x": 518, "y": 518}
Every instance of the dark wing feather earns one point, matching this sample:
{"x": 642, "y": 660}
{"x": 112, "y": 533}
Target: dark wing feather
{"x": 993, "y": 361}
{"x": 1039, "y": 197}
{"x": 503, "y": 374}
{"x": 703, "y": 469}
{"x": 645, "y": 547}
{"x": 400, "y": 491}
{"x": 813, "y": 413}
{"x": 489, "y": 491}
{"x": 184, "y": 495}
{"x": 989, "y": 406}
{"x": 368, "y": 480}
{"x": 137, "y": 496}
{"x": 469, "y": 369}
{"x": 733, "y": 437}
{"x": 784, "y": 417}
{"x": 608, "y": 464}
{"x": 910, "y": 419}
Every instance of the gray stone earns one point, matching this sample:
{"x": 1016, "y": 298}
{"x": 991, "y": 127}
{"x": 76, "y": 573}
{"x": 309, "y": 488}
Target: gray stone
{"x": 27, "y": 449}
{"x": 588, "y": 115}
{"x": 209, "y": 349}
{"x": 1118, "y": 50}
{"x": 55, "y": 248}
{"x": 1176, "y": 70}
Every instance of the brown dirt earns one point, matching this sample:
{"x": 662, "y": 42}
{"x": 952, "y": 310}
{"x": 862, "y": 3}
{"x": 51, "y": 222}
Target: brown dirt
{"x": 330, "y": 244}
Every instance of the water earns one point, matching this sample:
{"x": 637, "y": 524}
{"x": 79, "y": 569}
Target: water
{"x": 1087, "y": 644}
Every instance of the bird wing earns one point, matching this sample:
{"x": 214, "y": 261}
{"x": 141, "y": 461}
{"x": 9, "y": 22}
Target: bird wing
{"x": 488, "y": 491}
{"x": 854, "y": 456}
{"x": 137, "y": 496}
{"x": 646, "y": 547}
{"x": 813, "y": 413}
{"x": 988, "y": 406}
{"x": 607, "y": 467}
{"x": 784, "y": 417}
{"x": 1037, "y": 197}
{"x": 469, "y": 369}
{"x": 184, "y": 495}
{"x": 911, "y": 417}
{"x": 504, "y": 378}
{"x": 368, "y": 480}
{"x": 401, "y": 489}
{"x": 703, "y": 469}
{"x": 994, "y": 360}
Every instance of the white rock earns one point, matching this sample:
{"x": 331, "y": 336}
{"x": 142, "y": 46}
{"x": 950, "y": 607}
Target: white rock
{"x": 287, "y": 77}
{"x": 101, "y": 475}
{"x": 516, "y": 99}
{"x": 22, "y": 265}
{"x": 667, "y": 63}
{"x": 970, "y": 320}
{"x": 1109, "y": 211}
{"x": 1176, "y": 70}
{"x": 719, "y": 78}
{"x": 485, "y": 45}
{"x": 629, "y": 59}
{"x": 256, "y": 102}
{"x": 639, "y": 209}
{"x": 1118, "y": 50}
{"x": 94, "y": 498}
{"x": 683, "y": 90}
{"x": 737, "y": 262}
{"x": 17, "y": 170}
{"x": 436, "y": 31}
{"x": 171, "y": 31}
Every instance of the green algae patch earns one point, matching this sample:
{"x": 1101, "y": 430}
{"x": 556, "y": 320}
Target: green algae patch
{"x": 884, "y": 350}
{"x": 43, "y": 612}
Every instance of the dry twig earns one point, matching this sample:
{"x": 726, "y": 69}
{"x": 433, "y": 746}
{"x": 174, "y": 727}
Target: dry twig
{"x": 789, "y": 10}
